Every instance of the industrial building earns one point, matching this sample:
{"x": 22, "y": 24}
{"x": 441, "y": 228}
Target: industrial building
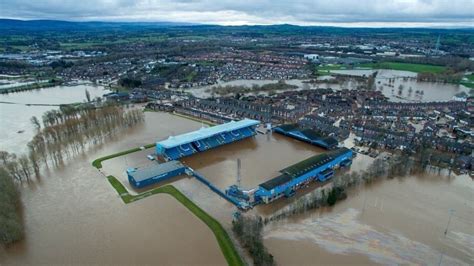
{"x": 307, "y": 135}
{"x": 141, "y": 177}
{"x": 320, "y": 167}
{"x": 176, "y": 147}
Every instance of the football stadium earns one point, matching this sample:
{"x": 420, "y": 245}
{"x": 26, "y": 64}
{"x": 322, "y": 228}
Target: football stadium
{"x": 172, "y": 154}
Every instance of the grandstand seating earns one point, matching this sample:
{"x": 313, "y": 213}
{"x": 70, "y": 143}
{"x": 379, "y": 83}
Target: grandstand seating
{"x": 173, "y": 153}
{"x": 235, "y": 134}
{"x": 176, "y": 147}
{"x": 200, "y": 145}
{"x": 186, "y": 149}
{"x": 225, "y": 136}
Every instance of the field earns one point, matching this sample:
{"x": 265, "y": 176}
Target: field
{"x": 418, "y": 68}
{"x": 326, "y": 69}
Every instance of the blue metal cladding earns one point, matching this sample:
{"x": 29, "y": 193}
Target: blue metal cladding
{"x": 156, "y": 179}
{"x": 200, "y": 145}
{"x": 201, "y": 178}
{"x": 314, "y": 174}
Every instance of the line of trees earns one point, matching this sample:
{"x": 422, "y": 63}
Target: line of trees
{"x": 11, "y": 224}
{"x": 248, "y": 230}
{"x": 400, "y": 165}
{"x": 241, "y": 89}
{"x": 445, "y": 77}
{"x": 65, "y": 133}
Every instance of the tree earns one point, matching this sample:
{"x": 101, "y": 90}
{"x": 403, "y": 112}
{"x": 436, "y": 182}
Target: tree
{"x": 36, "y": 123}
{"x": 11, "y": 227}
{"x": 249, "y": 232}
{"x": 5, "y": 157}
{"x": 24, "y": 164}
{"x": 129, "y": 82}
{"x": 400, "y": 89}
{"x": 88, "y": 96}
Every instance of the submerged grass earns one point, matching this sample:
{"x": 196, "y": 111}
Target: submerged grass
{"x": 97, "y": 163}
{"x": 227, "y": 247}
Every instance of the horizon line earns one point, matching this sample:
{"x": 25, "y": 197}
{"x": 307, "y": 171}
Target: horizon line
{"x": 400, "y": 25}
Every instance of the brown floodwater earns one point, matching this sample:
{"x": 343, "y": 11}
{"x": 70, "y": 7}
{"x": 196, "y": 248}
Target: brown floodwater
{"x": 398, "y": 221}
{"x": 73, "y": 215}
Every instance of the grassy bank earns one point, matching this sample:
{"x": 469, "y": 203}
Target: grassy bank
{"x": 470, "y": 81}
{"x": 405, "y": 67}
{"x": 227, "y": 247}
{"x": 97, "y": 163}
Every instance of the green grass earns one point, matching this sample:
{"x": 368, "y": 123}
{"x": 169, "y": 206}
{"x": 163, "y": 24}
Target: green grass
{"x": 190, "y": 77}
{"x": 470, "y": 77}
{"x": 33, "y": 86}
{"x": 326, "y": 69}
{"x": 97, "y": 163}
{"x": 406, "y": 67}
{"x": 470, "y": 81}
{"x": 468, "y": 84}
{"x": 227, "y": 247}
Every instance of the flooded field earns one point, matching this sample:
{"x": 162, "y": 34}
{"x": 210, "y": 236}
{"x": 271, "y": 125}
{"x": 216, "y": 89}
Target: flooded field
{"x": 427, "y": 91}
{"x": 15, "y": 123}
{"x": 73, "y": 216}
{"x": 261, "y": 158}
{"x": 431, "y": 91}
{"x": 398, "y": 221}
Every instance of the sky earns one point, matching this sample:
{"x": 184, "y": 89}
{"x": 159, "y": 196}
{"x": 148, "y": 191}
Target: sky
{"x": 346, "y": 13}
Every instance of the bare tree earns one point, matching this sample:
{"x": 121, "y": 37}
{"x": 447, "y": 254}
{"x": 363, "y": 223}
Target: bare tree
{"x": 88, "y": 96}
{"x": 36, "y": 123}
{"x": 25, "y": 167}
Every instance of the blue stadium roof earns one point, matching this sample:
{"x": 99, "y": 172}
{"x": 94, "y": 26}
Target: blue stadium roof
{"x": 203, "y": 133}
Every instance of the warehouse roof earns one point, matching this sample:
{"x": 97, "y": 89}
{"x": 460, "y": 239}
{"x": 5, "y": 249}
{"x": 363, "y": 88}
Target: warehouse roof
{"x": 203, "y": 133}
{"x": 141, "y": 174}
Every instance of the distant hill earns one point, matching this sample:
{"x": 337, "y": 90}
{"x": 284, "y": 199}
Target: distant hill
{"x": 14, "y": 26}
{"x": 51, "y": 25}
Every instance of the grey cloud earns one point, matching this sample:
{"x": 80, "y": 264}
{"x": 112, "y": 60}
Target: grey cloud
{"x": 455, "y": 12}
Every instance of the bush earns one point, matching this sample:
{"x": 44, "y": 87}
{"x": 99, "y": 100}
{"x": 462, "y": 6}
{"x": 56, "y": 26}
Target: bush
{"x": 249, "y": 232}
{"x": 335, "y": 195}
{"x": 129, "y": 82}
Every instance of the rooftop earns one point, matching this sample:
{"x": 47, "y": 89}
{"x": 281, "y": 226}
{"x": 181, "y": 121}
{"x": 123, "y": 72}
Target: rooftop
{"x": 204, "y": 133}
{"x": 312, "y": 163}
{"x": 301, "y": 168}
{"x": 141, "y": 174}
